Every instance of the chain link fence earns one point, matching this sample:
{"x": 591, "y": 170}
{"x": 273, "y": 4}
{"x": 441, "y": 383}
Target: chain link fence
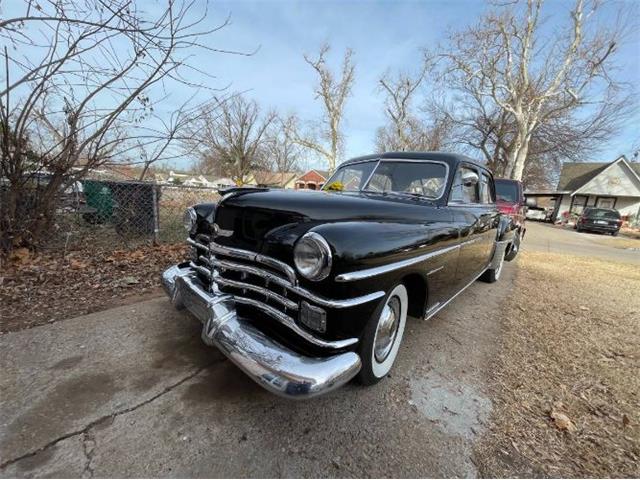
{"x": 123, "y": 214}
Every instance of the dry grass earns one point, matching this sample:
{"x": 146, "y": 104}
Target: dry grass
{"x": 618, "y": 242}
{"x": 571, "y": 346}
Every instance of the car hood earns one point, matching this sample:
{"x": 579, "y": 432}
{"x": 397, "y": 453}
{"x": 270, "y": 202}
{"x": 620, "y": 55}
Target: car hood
{"x": 257, "y": 216}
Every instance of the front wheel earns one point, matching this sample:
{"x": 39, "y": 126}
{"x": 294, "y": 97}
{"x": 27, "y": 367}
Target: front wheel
{"x": 382, "y": 337}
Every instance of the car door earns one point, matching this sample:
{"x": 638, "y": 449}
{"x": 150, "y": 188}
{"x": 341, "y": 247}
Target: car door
{"x": 490, "y": 216}
{"x": 474, "y": 222}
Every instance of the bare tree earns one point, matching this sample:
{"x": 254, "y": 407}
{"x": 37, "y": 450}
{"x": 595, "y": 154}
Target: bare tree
{"x": 333, "y": 92}
{"x": 230, "y": 137}
{"x": 403, "y": 127}
{"x": 77, "y": 84}
{"x": 281, "y": 151}
{"x": 517, "y": 78}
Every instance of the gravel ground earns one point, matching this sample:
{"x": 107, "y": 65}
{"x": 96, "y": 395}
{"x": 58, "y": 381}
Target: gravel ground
{"x": 566, "y": 389}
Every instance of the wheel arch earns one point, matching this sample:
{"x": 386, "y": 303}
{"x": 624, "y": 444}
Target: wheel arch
{"x": 417, "y": 293}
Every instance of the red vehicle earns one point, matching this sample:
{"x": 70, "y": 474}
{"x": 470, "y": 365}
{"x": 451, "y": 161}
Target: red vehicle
{"x": 510, "y": 201}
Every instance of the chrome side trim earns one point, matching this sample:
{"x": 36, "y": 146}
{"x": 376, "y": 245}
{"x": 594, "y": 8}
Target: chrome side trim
{"x": 375, "y": 271}
{"x": 289, "y": 322}
{"x": 255, "y": 257}
{"x": 431, "y": 272}
{"x": 324, "y": 302}
{"x": 291, "y": 305}
{"x": 437, "y": 307}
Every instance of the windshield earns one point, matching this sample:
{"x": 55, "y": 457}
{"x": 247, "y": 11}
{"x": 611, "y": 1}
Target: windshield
{"x": 426, "y": 178}
{"x": 602, "y": 213}
{"x": 350, "y": 178}
{"x": 507, "y": 191}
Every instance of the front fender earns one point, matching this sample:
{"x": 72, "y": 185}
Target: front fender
{"x": 359, "y": 245}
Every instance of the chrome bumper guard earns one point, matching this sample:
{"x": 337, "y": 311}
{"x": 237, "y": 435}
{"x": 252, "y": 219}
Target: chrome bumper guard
{"x": 270, "y": 364}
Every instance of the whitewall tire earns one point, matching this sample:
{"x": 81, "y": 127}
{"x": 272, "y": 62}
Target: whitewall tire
{"x": 383, "y": 336}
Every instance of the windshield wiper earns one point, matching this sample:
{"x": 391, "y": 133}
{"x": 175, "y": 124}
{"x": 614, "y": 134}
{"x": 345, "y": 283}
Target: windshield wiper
{"x": 401, "y": 194}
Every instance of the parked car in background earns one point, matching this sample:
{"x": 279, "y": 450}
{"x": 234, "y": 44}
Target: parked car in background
{"x": 510, "y": 201}
{"x": 605, "y": 220}
{"x": 540, "y": 214}
{"x": 304, "y": 290}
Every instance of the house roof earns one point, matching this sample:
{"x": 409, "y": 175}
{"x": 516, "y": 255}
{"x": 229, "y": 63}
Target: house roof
{"x": 273, "y": 178}
{"x": 323, "y": 173}
{"x": 576, "y": 174}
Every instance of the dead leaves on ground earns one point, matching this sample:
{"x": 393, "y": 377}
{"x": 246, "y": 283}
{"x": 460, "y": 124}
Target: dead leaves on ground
{"x": 41, "y": 288}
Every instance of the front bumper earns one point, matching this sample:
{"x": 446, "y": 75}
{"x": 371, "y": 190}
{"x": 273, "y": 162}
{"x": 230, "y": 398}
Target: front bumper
{"x": 270, "y": 364}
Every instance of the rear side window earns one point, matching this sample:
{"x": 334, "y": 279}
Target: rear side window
{"x": 463, "y": 193}
{"x": 486, "y": 192}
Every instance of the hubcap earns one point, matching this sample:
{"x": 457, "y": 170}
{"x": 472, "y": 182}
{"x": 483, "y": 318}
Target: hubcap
{"x": 387, "y": 329}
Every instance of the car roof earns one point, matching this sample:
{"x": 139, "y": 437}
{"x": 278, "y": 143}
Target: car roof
{"x": 450, "y": 158}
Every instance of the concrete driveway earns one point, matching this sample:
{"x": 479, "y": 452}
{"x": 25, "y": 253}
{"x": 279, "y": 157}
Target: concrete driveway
{"x": 545, "y": 237}
{"x": 133, "y": 392}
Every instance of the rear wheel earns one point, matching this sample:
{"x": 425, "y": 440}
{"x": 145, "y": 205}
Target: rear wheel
{"x": 514, "y": 249}
{"x": 382, "y": 337}
{"x": 615, "y": 234}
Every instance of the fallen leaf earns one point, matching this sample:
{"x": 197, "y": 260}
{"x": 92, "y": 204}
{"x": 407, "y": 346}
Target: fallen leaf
{"x": 20, "y": 255}
{"x": 625, "y": 420}
{"x": 562, "y": 421}
{"x": 77, "y": 264}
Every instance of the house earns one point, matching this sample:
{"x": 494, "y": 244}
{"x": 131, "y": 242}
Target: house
{"x": 607, "y": 185}
{"x": 311, "y": 180}
{"x": 265, "y": 178}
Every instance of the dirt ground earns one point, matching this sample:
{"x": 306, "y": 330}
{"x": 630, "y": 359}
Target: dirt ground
{"x": 36, "y": 289}
{"x": 566, "y": 389}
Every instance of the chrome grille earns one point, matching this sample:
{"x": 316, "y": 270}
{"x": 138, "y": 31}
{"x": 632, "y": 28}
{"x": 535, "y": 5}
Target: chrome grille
{"x": 266, "y": 284}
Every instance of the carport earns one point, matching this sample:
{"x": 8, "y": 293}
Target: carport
{"x": 544, "y": 199}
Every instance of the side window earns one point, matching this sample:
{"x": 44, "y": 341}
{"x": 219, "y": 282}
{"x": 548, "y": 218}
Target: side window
{"x": 463, "y": 193}
{"x": 486, "y": 190}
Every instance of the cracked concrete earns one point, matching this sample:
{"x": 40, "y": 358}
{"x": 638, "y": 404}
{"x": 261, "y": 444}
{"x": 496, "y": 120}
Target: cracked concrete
{"x": 133, "y": 392}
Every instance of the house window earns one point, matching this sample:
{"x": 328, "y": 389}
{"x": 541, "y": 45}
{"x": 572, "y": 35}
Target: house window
{"x": 605, "y": 202}
{"x": 578, "y": 204}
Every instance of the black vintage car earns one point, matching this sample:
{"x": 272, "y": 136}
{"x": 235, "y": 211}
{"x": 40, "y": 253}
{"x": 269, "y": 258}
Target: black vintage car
{"x": 305, "y": 290}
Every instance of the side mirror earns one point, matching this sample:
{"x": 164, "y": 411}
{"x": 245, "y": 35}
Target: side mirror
{"x": 469, "y": 178}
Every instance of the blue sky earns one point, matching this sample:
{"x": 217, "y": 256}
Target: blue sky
{"x": 384, "y": 35}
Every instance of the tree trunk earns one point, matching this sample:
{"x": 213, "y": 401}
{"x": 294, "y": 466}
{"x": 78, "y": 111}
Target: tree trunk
{"x": 520, "y": 161}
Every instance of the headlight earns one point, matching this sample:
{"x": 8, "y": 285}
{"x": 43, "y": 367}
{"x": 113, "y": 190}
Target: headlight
{"x": 189, "y": 219}
{"x": 312, "y": 257}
